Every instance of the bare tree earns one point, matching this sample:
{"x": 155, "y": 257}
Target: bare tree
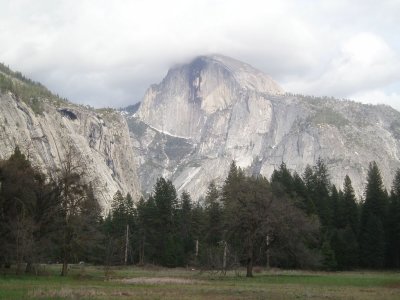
{"x": 70, "y": 181}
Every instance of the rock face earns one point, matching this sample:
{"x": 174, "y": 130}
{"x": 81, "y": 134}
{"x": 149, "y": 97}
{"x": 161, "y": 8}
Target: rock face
{"x": 181, "y": 104}
{"x": 192, "y": 125}
{"x": 215, "y": 109}
{"x": 100, "y": 137}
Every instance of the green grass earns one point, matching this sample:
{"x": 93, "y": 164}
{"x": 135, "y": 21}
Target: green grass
{"x": 159, "y": 283}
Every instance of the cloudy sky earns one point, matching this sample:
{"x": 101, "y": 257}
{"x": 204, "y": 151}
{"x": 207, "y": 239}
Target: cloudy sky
{"x": 106, "y": 53}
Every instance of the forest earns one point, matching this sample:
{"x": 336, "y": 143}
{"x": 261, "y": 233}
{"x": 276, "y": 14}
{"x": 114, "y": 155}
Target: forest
{"x": 288, "y": 221}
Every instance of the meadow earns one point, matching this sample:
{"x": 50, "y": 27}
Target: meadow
{"x": 91, "y": 282}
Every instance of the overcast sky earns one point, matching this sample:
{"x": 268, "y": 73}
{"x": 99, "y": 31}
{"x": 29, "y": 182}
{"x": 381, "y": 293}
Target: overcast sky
{"x": 107, "y": 53}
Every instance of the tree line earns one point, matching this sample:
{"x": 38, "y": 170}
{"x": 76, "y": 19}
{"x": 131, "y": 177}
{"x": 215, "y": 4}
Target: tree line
{"x": 287, "y": 221}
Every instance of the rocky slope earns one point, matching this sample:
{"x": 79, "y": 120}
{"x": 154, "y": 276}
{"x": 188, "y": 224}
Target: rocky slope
{"x": 215, "y": 109}
{"x": 43, "y": 127}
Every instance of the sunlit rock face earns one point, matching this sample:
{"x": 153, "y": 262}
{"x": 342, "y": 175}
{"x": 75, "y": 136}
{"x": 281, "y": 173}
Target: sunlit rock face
{"x": 100, "y": 138}
{"x": 215, "y": 109}
{"x": 190, "y": 94}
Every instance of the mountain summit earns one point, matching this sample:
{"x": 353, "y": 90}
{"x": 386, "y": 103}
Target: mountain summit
{"x": 246, "y": 76}
{"x": 193, "y": 92}
{"x": 215, "y": 109}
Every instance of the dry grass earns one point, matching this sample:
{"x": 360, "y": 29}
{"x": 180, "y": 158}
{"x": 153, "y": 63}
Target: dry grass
{"x": 216, "y": 292}
{"x": 142, "y": 283}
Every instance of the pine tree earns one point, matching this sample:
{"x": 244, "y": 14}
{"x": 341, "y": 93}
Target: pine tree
{"x": 284, "y": 178}
{"x": 318, "y": 185}
{"x": 147, "y": 226}
{"x": 232, "y": 182}
{"x": 199, "y": 229}
{"x": 320, "y": 193}
{"x": 373, "y": 214}
{"x": 141, "y": 228}
{"x": 336, "y": 201}
{"x": 118, "y": 214}
{"x": 20, "y": 186}
{"x": 130, "y": 210}
{"x": 130, "y": 228}
{"x": 89, "y": 237}
{"x": 349, "y": 206}
{"x": 185, "y": 219}
{"x": 303, "y": 199}
{"x": 329, "y": 259}
{"x": 393, "y": 242}
{"x": 213, "y": 210}
{"x": 168, "y": 248}
{"x": 120, "y": 226}
{"x": 344, "y": 241}
{"x": 372, "y": 251}
{"x": 346, "y": 248}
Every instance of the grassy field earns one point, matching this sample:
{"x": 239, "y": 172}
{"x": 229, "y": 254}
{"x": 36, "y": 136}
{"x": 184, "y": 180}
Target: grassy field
{"x": 138, "y": 283}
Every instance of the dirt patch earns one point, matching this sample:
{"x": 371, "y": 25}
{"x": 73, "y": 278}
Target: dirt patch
{"x": 158, "y": 280}
{"x": 66, "y": 293}
{"x": 394, "y": 285}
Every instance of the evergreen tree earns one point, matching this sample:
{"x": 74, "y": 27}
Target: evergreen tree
{"x": 130, "y": 211}
{"x": 372, "y": 235}
{"x": 120, "y": 227}
{"x": 318, "y": 188}
{"x": 320, "y": 193}
{"x": 372, "y": 243}
{"x": 329, "y": 259}
{"x": 393, "y": 243}
{"x": 308, "y": 178}
{"x": 349, "y": 208}
{"x": 303, "y": 199}
{"x": 89, "y": 238}
{"x": 213, "y": 210}
{"x": 284, "y": 178}
{"x": 168, "y": 248}
{"x": 54, "y": 220}
{"x": 118, "y": 214}
{"x": 344, "y": 241}
{"x": 336, "y": 202}
{"x": 185, "y": 219}
{"x": 141, "y": 228}
{"x": 232, "y": 182}
{"x": 20, "y": 188}
{"x": 147, "y": 229}
{"x": 199, "y": 232}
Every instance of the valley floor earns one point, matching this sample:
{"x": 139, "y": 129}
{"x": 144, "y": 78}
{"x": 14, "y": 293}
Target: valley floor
{"x": 159, "y": 283}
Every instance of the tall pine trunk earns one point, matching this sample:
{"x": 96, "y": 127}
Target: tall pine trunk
{"x": 249, "y": 267}
{"x": 64, "y": 270}
{"x": 141, "y": 253}
{"x": 249, "y": 272}
{"x": 224, "y": 257}
{"x": 126, "y": 244}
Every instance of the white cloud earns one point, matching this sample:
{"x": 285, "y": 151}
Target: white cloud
{"x": 108, "y": 52}
{"x": 365, "y": 62}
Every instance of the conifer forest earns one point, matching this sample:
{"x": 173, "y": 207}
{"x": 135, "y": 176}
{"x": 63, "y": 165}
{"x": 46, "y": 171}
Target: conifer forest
{"x": 290, "y": 220}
